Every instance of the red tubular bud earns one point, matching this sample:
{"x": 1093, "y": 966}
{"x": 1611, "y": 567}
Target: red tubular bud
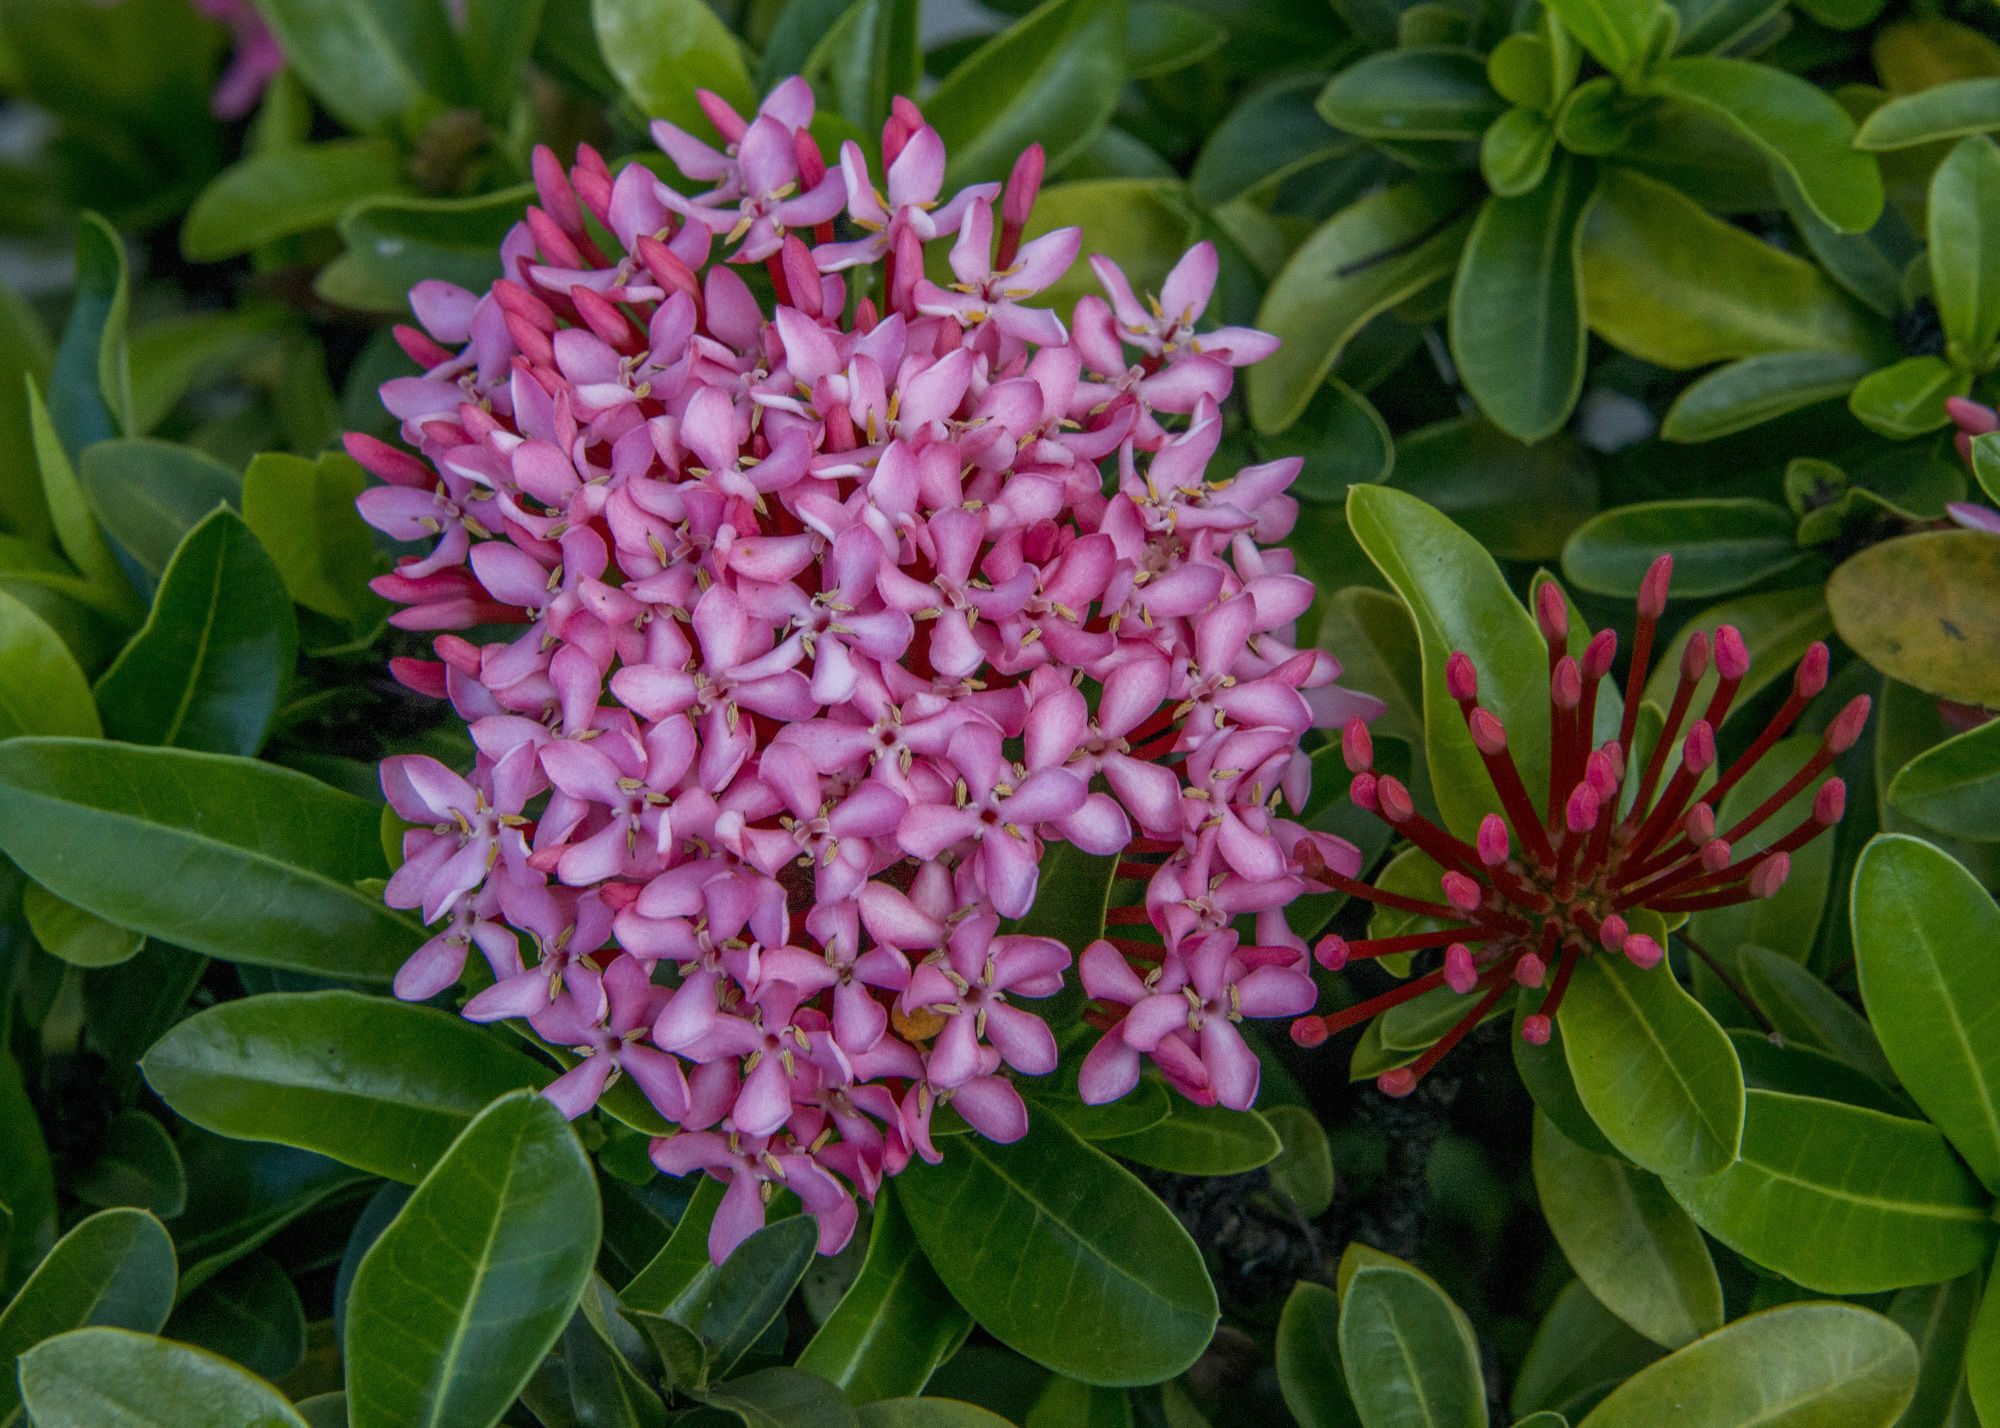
{"x": 1459, "y": 973}
{"x": 1600, "y": 771}
{"x": 1810, "y": 677}
{"x": 1460, "y": 891}
{"x": 1830, "y": 802}
{"x": 1536, "y": 1029}
{"x": 1552, "y": 613}
{"x": 1732, "y": 657}
{"x": 1846, "y": 725}
{"x": 1715, "y": 855}
{"x": 1698, "y": 748}
{"x": 1653, "y": 589}
{"x": 1566, "y": 684}
{"x": 397, "y": 467}
{"x": 1694, "y": 659}
{"x": 1770, "y": 875}
{"x": 811, "y": 162}
{"x": 1309, "y": 1031}
{"x": 1488, "y": 733}
{"x": 556, "y": 248}
{"x": 1398, "y": 1083}
{"x": 903, "y": 121}
{"x": 1357, "y": 747}
{"x": 603, "y": 318}
{"x": 1365, "y": 793}
{"x": 534, "y": 343}
{"x": 1331, "y": 952}
{"x": 1643, "y": 952}
{"x": 1023, "y": 184}
{"x": 1612, "y": 932}
{"x": 552, "y": 187}
{"x": 801, "y": 275}
{"x": 461, "y": 654}
{"x": 419, "y": 347}
{"x": 1598, "y": 654}
{"x": 1397, "y": 805}
{"x": 514, "y": 298}
{"x": 425, "y": 676}
{"x": 1461, "y": 680}
{"x": 1531, "y": 970}
{"x": 865, "y": 316}
{"x": 1493, "y": 843}
{"x": 1699, "y": 823}
{"x": 1582, "y": 810}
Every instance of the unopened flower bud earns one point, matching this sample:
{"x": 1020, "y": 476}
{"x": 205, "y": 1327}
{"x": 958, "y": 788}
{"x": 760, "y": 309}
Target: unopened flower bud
{"x": 1582, "y": 810}
{"x": 1566, "y": 683}
{"x": 1600, "y": 771}
{"x": 1715, "y": 855}
{"x": 1732, "y": 657}
{"x": 1611, "y": 933}
{"x": 1770, "y": 875}
{"x": 1488, "y": 733}
{"x": 1830, "y": 802}
{"x": 1536, "y": 1029}
{"x": 1531, "y": 970}
{"x": 1493, "y": 843}
{"x": 1598, "y": 654}
{"x": 1694, "y": 659}
{"x": 1552, "y": 613}
{"x": 1331, "y": 952}
{"x": 1698, "y": 748}
{"x": 1653, "y": 588}
{"x": 1398, "y": 1083}
{"x": 1459, "y": 973}
{"x": 1022, "y": 185}
{"x": 1362, "y": 791}
{"x": 1643, "y": 952}
{"x": 1397, "y": 805}
{"x": 1461, "y": 680}
{"x": 1699, "y": 823}
{"x": 1309, "y": 1031}
{"x": 1460, "y": 891}
{"x": 1846, "y": 725}
{"x": 1357, "y": 747}
{"x": 1810, "y": 677}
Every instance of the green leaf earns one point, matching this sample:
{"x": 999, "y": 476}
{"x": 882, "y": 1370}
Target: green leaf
{"x": 116, "y": 1268}
{"x": 1718, "y": 545}
{"x": 1515, "y": 150}
{"x": 1066, "y": 1403}
{"x": 1052, "y": 78}
{"x": 1788, "y": 922}
{"x": 70, "y": 933}
{"x": 242, "y": 1194}
{"x": 303, "y": 514}
{"x": 684, "y": 1257}
{"x": 1924, "y": 938}
{"x": 149, "y": 494}
{"x": 1424, "y": 92}
{"x": 927, "y": 1413}
{"x": 1755, "y": 390}
{"x": 475, "y": 1278}
{"x": 25, "y": 352}
{"x": 498, "y": 36}
{"x": 1303, "y": 1171}
{"x": 865, "y": 60}
{"x": 1342, "y": 440}
{"x": 1965, "y": 249}
{"x": 600, "y": 1351}
{"x": 1545, "y": 1072}
{"x": 370, "y": 62}
{"x": 103, "y": 586}
{"x": 176, "y": 355}
{"x": 1678, "y": 287}
{"x": 225, "y": 856}
{"x": 1201, "y": 1140}
{"x": 1809, "y": 1013}
{"x": 1793, "y": 120}
{"x": 136, "y": 1165}
{"x": 1982, "y": 1357}
{"x": 114, "y": 1378}
{"x": 1802, "y": 1365}
{"x": 1308, "y": 1356}
{"x": 1781, "y": 1065}
{"x": 90, "y": 384}
{"x": 249, "y": 1314}
{"x": 783, "y": 1398}
{"x": 1165, "y": 39}
{"x": 1925, "y": 609}
{"x": 1842, "y": 1199}
{"x": 1519, "y": 501}
{"x": 1615, "y": 32}
{"x": 1907, "y": 398}
{"x": 1955, "y": 786}
{"x": 1870, "y": 265}
{"x": 1460, "y": 602}
{"x": 1274, "y": 132}
{"x": 27, "y": 1185}
{"x": 209, "y": 666}
{"x": 381, "y": 1085}
{"x": 395, "y": 243}
{"x": 1063, "y": 1256}
{"x": 1581, "y": 1351}
{"x": 42, "y": 691}
{"x": 1362, "y": 261}
{"x": 1410, "y": 1358}
{"x": 1656, "y": 1073}
{"x": 1632, "y": 1246}
{"x": 895, "y": 1324}
{"x": 1944, "y": 111}
{"x": 663, "y": 50}
{"x": 1517, "y": 324}
{"x": 291, "y": 190}
{"x": 728, "y": 1306}
{"x": 1938, "y": 1318}
{"x": 1142, "y": 224}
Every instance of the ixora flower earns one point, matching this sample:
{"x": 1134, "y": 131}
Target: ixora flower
{"x": 823, "y": 614}
{"x": 1532, "y": 896}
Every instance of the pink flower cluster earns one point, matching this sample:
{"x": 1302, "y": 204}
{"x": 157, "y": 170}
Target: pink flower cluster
{"x": 830, "y": 614}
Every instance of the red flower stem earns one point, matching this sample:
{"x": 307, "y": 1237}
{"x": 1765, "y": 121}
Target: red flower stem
{"x": 1562, "y": 741}
{"x": 1719, "y": 702}
{"x": 1506, "y": 776}
{"x": 1565, "y": 965}
{"x": 1635, "y": 679}
{"x": 1728, "y": 897}
{"x": 1774, "y": 731}
{"x": 1449, "y": 851}
{"x": 1728, "y": 979}
{"x": 1413, "y": 942}
{"x": 776, "y": 268}
{"x": 1814, "y": 767}
{"x": 1683, "y": 696}
{"x": 1125, "y": 917}
{"x": 1687, "y": 879}
{"x": 1340, "y": 882}
{"x": 1361, "y": 1011}
{"x": 1442, "y": 1047}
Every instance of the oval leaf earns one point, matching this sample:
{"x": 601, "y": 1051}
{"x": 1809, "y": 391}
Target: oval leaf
{"x": 1757, "y": 389}
{"x": 149, "y": 494}
{"x": 1422, "y": 92}
{"x": 1718, "y": 545}
{"x": 42, "y": 689}
{"x": 1201, "y": 1140}
{"x": 1409, "y": 1356}
{"x": 1925, "y": 609}
{"x": 1944, "y": 111}
{"x": 1955, "y": 786}
{"x": 663, "y": 50}
{"x": 289, "y": 190}
{"x": 113, "y": 1378}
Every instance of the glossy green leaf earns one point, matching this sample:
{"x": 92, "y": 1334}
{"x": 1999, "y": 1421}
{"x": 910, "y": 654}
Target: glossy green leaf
{"x": 90, "y": 383}
{"x": 381, "y": 1085}
{"x": 684, "y": 1257}
{"x": 116, "y": 1268}
{"x": 1870, "y": 265}
{"x": 1924, "y": 930}
{"x": 1201, "y": 1140}
{"x": 1925, "y": 609}
{"x": 1067, "y": 1403}
{"x": 1303, "y": 1171}
{"x": 1678, "y": 287}
{"x": 1807, "y": 1012}
{"x": 1521, "y": 69}
{"x": 1544, "y": 1070}
{"x": 926, "y": 1413}
{"x": 1907, "y": 399}
{"x": 1515, "y": 150}
{"x": 497, "y": 38}
{"x": 114, "y": 1378}
{"x": 600, "y": 1351}
{"x": 1938, "y": 1318}
{"x": 295, "y": 189}
{"x": 1755, "y": 390}
{"x": 1341, "y": 438}
{"x": 1063, "y": 1256}
{"x": 1409, "y": 1356}
{"x": 149, "y": 494}
{"x": 1797, "y": 123}
{"x": 242, "y": 1194}
{"x": 1718, "y": 545}
{"x": 1944, "y": 111}
{"x": 1362, "y": 261}
{"x": 1842, "y": 1199}
{"x": 25, "y": 352}
{"x": 729, "y": 1305}
{"x": 1782, "y": 1065}
{"x": 1460, "y": 602}
{"x": 1051, "y": 78}
{"x": 1518, "y": 500}
{"x": 103, "y": 585}
{"x": 895, "y": 1324}
{"x": 209, "y": 666}
{"x": 1801, "y": 1365}
{"x": 27, "y": 1186}
{"x": 868, "y": 57}
{"x": 783, "y": 1398}
{"x": 68, "y": 932}
{"x": 1517, "y": 322}
{"x": 1964, "y": 215}
{"x": 1632, "y": 1246}
{"x": 1424, "y": 92}
{"x": 136, "y": 1165}
{"x": 367, "y": 61}
{"x": 174, "y": 356}
{"x": 663, "y": 50}
{"x": 474, "y": 1280}
{"x": 303, "y": 513}
{"x": 1955, "y": 786}
{"x": 250, "y": 1314}
{"x": 1165, "y": 38}
{"x": 1788, "y": 922}
{"x": 394, "y": 243}
{"x": 42, "y": 691}
{"x": 1308, "y": 1353}
{"x": 1275, "y": 131}
{"x": 1656, "y": 1073}
{"x": 225, "y": 856}
{"x": 1615, "y": 32}
{"x": 1581, "y": 1351}
{"x": 1982, "y": 1357}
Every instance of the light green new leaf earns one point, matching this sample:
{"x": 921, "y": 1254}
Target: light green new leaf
{"x": 1409, "y": 1355}
{"x": 1927, "y": 944}
{"x": 663, "y": 50}
{"x": 103, "y": 585}
{"x": 303, "y": 513}
{"x": 473, "y": 1281}
{"x": 42, "y": 691}
{"x": 114, "y": 1378}
{"x": 1944, "y": 111}
{"x": 148, "y": 494}
{"x": 1654, "y": 1070}
{"x": 1965, "y": 249}
{"x": 1954, "y": 787}
{"x": 1907, "y": 398}
{"x": 1615, "y": 32}
{"x": 68, "y": 932}
{"x": 368, "y": 61}
{"x": 285, "y": 191}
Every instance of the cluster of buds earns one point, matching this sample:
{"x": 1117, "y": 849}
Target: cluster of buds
{"x": 831, "y": 611}
{"x": 1534, "y": 894}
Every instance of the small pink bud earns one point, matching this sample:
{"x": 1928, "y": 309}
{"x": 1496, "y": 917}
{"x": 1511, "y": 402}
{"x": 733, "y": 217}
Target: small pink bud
{"x": 1331, "y": 952}
{"x": 1846, "y": 725}
{"x": 1552, "y": 612}
{"x": 811, "y": 162}
{"x": 1830, "y": 802}
{"x": 1309, "y": 1031}
{"x": 1357, "y": 747}
{"x": 1694, "y": 659}
{"x": 1715, "y": 855}
{"x": 1653, "y": 589}
{"x": 1535, "y": 1029}
{"x": 1459, "y": 973}
{"x": 1581, "y": 813}
{"x": 1698, "y": 748}
{"x": 1611, "y": 933}
{"x": 1598, "y": 654}
{"x": 1699, "y": 823}
{"x": 1531, "y": 970}
{"x": 1600, "y": 771}
{"x": 1488, "y": 733}
{"x": 1460, "y": 891}
{"x": 1398, "y": 1083}
{"x": 1810, "y": 677}
{"x": 1461, "y": 680}
{"x": 1493, "y": 840}
{"x": 1770, "y": 875}
{"x": 1643, "y": 952}
{"x": 1397, "y": 806}
{"x": 1971, "y": 417}
{"x": 1363, "y": 792}
{"x": 1566, "y": 683}
{"x": 1022, "y": 186}
{"x": 1732, "y": 657}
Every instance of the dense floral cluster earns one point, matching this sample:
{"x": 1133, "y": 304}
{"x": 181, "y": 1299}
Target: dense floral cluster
{"x": 832, "y": 612}
{"x": 1612, "y": 862}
